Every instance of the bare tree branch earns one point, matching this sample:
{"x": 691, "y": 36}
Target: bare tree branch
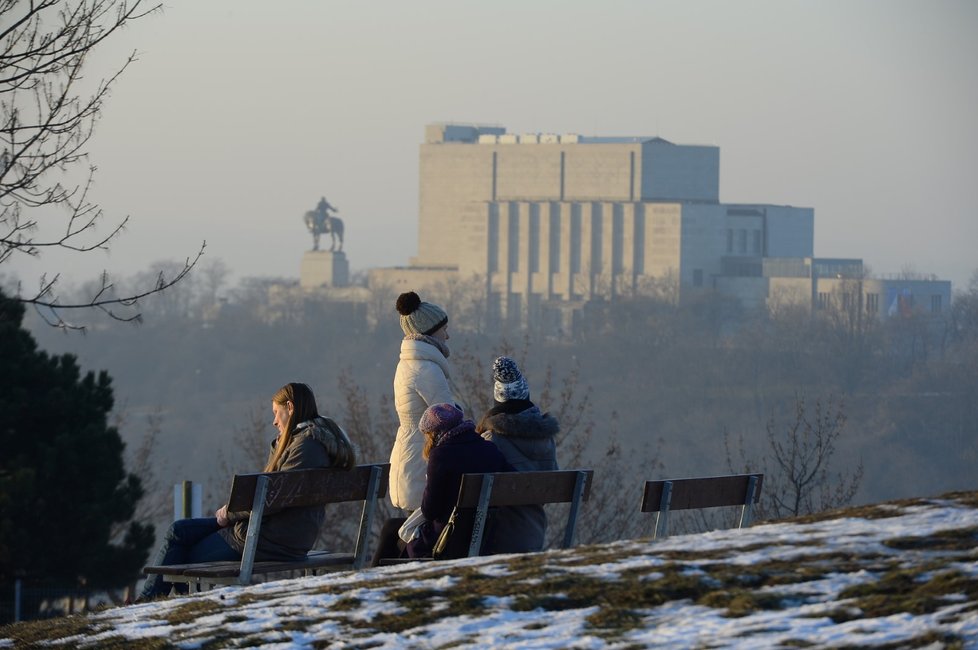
{"x": 49, "y": 308}
{"x": 46, "y": 123}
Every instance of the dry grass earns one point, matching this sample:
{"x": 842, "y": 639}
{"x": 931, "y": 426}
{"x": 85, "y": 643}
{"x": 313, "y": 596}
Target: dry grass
{"x": 916, "y": 575}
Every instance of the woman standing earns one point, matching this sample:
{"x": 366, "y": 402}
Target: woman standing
{"x": 421, "y": 379}
{"x": 525, "y": 436}
{"x": 305, "y": 440}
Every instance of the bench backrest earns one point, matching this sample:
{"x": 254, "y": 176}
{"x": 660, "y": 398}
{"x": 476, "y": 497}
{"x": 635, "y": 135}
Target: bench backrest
{"x": 484, "y": 491}
{"x": 708, "y": 492}
{"x": 306, "y": 487}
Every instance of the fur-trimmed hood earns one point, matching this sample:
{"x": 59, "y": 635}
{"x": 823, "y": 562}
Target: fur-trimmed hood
{"x": 332, "y": 437}
{"x": 531, "y": 423}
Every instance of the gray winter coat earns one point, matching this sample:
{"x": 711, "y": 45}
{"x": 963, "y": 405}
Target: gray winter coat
{"x": 526, "y": 440}
{"x": 290, "y": 532}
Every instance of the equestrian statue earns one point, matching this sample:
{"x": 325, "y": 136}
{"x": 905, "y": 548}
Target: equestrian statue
{"x": 320, "y": 221}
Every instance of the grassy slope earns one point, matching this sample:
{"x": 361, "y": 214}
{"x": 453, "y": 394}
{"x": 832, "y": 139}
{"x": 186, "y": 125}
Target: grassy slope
{"x": 834, "y": 568}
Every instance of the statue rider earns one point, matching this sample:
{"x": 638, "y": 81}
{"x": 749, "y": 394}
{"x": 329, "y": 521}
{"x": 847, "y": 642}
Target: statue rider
{"x": 319, "y": 221}
{"x": 324, "y": 208}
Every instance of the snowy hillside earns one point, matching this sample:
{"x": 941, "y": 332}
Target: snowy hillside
{"x": 892, "y": 575}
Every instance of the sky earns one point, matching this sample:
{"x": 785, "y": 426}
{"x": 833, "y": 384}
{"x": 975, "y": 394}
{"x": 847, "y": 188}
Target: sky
{"x": 239, "y": 115}
{"x": 929, "y": 544}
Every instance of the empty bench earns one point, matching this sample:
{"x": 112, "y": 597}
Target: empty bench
{"x": 478, "y": 493}
{"x": 255, "y": 493}
{"x": 661, "y": 497}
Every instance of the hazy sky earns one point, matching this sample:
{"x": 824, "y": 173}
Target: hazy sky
{"x": 240, "y": 114}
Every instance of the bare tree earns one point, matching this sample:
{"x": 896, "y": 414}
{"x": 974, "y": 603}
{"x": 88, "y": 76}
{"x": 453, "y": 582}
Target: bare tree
{"x": 371, "y": 428}
{"x": 144, "y": 461}
{"x": 798, "y": 478}
{"x": 46, "y": 122}
{"x": 252, "y": 443}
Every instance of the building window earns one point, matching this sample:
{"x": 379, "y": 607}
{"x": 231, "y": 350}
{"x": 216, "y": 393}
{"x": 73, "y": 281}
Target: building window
{"x": 697, "y": 277}
{"x": 513, "y": 238}
{"x": 872, "y": 303}
{"x": 935, "y": 303}
{"x": 597, "y": 238}
{"x": 534, "y": 263}
{"x": 823, "y": 300}
{"x": 554, "y": 240}
{"x": 729, "y": 240}
{"x": 742, "y": 244}
{"x": 617, "y": 239}
{"x": 493, "y": 238}
{"x": 757, "y": 242}
{"x": 575, "y": 239}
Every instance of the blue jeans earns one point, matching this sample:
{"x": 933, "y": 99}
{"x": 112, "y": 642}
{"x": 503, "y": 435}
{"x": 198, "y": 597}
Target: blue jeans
{"x": 187, "y": 542}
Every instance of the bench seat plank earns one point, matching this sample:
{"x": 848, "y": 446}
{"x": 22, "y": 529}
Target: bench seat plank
{"x": 230, "y": 568}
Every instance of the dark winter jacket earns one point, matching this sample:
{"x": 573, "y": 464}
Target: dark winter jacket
{"x": 526, "y": 440}
{"x": 290, "y": 532}
{"x": 460, "y": 451}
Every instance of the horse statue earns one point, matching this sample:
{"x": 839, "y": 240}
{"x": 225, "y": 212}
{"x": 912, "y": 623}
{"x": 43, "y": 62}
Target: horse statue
{"x": 320, "y": 221}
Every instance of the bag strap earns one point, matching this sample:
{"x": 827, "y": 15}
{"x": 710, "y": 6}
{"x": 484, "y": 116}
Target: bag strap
{"x": 445, "y": 536}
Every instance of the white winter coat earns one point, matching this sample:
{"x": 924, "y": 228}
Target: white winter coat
{"x": 421, "y": 380}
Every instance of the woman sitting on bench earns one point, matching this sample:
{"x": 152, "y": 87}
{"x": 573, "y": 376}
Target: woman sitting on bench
{"x": 452, "y": 448}
{"x": 305, "y": 440}
{"x": 525, "y": 436}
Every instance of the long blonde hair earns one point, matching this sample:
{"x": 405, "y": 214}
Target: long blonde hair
{"x": 303, "y": 408}
{"x": 429, "y": 443}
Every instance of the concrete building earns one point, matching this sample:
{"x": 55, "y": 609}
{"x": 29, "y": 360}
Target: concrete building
{"x": 821, "y": 284}
{"x": 548, "y": 222}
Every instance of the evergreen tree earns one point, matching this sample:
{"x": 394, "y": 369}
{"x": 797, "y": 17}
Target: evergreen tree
{"x": 66, "y": 500}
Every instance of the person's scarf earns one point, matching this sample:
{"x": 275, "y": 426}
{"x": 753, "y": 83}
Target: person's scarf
{"x": 462, "y": 427}
{"x": 509, "y": 407}
{"x": 429, "y": 340}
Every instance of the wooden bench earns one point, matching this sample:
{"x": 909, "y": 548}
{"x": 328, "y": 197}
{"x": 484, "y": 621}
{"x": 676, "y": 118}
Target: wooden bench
{"x": 480, "y": 492}
{"x": 254, "y": 493}
{"x": 661, "y": 497}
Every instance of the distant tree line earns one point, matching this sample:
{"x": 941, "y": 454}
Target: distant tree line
{"x": 648, "y": 388}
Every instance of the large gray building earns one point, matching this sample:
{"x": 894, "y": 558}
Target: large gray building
{"x": 546, "y": 222}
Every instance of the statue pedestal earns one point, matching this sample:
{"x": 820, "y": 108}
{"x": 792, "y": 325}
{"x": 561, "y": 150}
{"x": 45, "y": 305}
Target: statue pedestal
{"x": 324, "y": 269}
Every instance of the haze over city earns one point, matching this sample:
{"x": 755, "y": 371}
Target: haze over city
{"x": 238, "y": 116}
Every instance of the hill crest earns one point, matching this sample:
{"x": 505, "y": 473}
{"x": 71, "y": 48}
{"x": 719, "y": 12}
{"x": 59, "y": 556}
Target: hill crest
{"x": 902, "y": 573}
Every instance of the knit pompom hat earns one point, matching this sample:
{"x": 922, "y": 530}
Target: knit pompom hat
{"x": 508, "y": 383}
{"x": 439, "y": 419}
{"x": 419, "y": 317}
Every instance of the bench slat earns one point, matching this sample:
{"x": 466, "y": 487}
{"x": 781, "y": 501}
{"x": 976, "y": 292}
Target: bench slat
{"x": 231, "y": 568}
{"x": 524, "y": 488}
{"x": 305, "y": 487}
{"x": 708, "y": 492}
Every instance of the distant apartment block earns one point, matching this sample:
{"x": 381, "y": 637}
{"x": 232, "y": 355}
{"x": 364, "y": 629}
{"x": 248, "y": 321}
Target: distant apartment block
{"x": 549, "y": 222}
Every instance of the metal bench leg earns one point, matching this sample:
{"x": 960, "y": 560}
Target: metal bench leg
{"x": 663, "y": 513}
{"x": 747, "y": 511}
{"x": 574, "y": 509}
{"x": 479, "y": 525}
{"x": 366, "y": 519}
{"x": 251, "y": 537}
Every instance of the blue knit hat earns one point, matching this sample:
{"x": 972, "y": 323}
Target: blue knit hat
{"x": 509, "y": 382}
